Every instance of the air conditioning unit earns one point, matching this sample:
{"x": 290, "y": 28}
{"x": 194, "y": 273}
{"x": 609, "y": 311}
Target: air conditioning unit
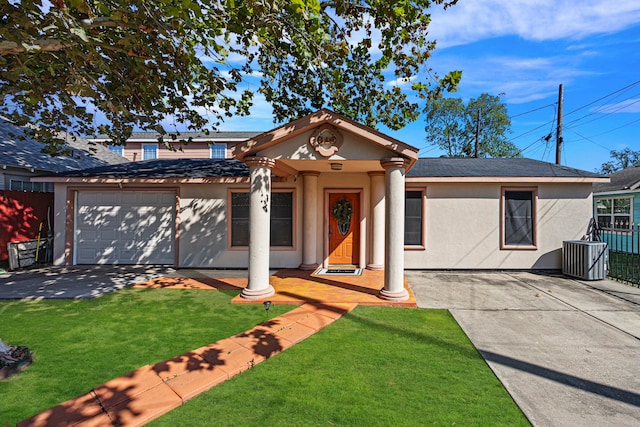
{"x": 584, "y": 259}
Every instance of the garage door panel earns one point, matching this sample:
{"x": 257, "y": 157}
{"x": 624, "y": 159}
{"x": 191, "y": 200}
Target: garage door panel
{"x": 131, "y": 227}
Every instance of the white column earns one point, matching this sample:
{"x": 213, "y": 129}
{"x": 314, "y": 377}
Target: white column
{"x": 259, "y": 228}
{"x": 377, "y": 220}
{"x": 394, "y": 230}
{"x": 309, "y": 219}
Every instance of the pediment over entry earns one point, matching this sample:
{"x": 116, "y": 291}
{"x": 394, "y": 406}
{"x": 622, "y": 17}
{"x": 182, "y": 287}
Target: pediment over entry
{"x": 323, "y": 138}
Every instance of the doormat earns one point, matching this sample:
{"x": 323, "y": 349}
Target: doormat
{"x": 338, "y": 272}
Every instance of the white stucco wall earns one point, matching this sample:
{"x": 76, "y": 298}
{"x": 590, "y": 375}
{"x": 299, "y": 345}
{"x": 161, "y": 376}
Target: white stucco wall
{"x": 203, "y": 239}
{"x": 463, "y": 226}
{"x": 298, "y": 148}
{"x": 59, "y": 223}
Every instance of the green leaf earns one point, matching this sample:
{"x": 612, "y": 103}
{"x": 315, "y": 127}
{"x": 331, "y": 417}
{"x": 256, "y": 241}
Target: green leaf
{"x": 80, "y": 33}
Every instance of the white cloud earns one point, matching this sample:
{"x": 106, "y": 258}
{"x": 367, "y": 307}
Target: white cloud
{"x": 400, "y": 82}
{"x": 538, "y": 20}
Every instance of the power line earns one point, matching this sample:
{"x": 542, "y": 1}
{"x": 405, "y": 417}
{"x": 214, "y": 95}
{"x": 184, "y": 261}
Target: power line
{"x": 604, "y": 97}
{"x": 620, "y": 108}
{"x": 532, "y": 130}
{"x": 572, "y": 112}
{"x": 591, "y": 141}
{"x": 534, "y": 110}
{"x": 615, "y": 129}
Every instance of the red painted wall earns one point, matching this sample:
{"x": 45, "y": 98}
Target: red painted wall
{"x": 20, "y": 216}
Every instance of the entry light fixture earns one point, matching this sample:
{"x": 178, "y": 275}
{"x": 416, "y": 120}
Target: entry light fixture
{"x": 336, "y": 166}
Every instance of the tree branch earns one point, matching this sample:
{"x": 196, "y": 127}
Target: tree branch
{"x": 55, "y": 45}
{"x": 41, "y": 45}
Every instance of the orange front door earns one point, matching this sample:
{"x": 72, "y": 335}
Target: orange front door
{"x": 344, "y": 228}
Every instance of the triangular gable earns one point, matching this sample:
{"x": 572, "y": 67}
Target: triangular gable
{"x": 319, "y": 118}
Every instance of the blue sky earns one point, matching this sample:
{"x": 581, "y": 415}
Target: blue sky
{"x": 525, "y": 49}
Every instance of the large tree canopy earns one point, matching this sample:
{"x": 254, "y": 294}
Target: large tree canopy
{"x": 137, "y": 63}
{"x": 455, "y": 127}
{"x": 620, "y": 160}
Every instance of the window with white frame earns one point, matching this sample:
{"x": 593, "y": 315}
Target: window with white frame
{"x": 518, "y": 218}
{"x": 149, "y": 151}
{"x": 24, "y": 185}
{"x": 118, "y": 149}
{"x": 414, "y": 218}
{"x": 281, "y": 218}
{"x": 614, "y": 212}
{"x": 218, "y": 151}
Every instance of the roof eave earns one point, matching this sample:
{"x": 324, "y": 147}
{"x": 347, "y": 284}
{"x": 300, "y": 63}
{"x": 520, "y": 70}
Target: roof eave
{"x": 497, "y": 179}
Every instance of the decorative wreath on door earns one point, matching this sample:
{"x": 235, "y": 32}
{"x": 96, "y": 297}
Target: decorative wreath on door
{"x": 342, "y": 212}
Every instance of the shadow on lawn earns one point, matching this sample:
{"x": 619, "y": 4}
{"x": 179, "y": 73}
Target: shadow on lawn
{"x": 151, "y": 391}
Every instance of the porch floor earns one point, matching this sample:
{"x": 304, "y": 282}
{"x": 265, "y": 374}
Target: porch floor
{"x": 292, "y": 286}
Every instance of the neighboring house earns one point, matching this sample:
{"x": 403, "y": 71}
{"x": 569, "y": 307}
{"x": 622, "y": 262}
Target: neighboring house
{"x": 24, "y": 204}
{"x": 323, "y": 191}
{"x": 146, "y": 145}
{"x": 21, "y": 158}
{"x": 617, "y": 203}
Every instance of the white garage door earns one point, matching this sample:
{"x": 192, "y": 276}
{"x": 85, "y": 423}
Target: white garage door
{"x": 125, "y": 227}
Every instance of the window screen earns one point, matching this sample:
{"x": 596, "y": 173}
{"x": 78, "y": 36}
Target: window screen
{"x": 413, "y": 218}
{"x": 519, "y": 218}
{"x": 281, "y": 219}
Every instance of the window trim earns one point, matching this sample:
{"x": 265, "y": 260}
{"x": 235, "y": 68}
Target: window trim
{"x": 33, "y": 187}
{"x": 613, "y": 214}
{"x": 142, "y": 148}
{"x": 218, "y": 144}
{"x": 534, "y": 228}
{"x": 230, "y": 246}
{"x": 422, "y": 246}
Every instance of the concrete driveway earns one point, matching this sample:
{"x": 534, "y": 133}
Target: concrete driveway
{"x": 567, "y": 351}
{"x": 78, "y": 282}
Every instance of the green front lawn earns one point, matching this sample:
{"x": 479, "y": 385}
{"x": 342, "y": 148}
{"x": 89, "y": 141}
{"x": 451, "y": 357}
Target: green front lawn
{"x": 375, "y": 366}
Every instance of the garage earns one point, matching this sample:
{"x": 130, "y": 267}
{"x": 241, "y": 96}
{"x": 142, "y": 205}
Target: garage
{"x": 125, "y": 227}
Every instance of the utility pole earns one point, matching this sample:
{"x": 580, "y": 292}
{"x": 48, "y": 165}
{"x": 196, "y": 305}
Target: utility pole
{"x": 476, "y": 151}
{"x": 559, "y": 128}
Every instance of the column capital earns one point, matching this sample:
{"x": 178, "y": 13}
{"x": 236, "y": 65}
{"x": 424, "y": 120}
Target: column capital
{"x": 260, "y": 162}
{"x": 394, "y": 162}
{"x": 309, "y": 173}
{"x": 375, "y": 173}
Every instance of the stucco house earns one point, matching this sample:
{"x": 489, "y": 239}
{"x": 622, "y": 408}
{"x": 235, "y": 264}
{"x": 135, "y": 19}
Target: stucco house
{"x": 323, "y": 191}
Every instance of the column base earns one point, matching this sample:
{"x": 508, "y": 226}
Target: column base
{"x": 375, "y": 267}
{"x": 255, "y": 294}
{"x": 401, "y": 295}
{"x": 308, "y": 267}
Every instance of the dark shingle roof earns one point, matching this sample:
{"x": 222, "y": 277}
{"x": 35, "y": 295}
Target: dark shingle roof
{"x": 27, "y": 153}
{"x": 515, "y": 167}
{"x": 168, "y": 168}
{"x": 626, "y": 179}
